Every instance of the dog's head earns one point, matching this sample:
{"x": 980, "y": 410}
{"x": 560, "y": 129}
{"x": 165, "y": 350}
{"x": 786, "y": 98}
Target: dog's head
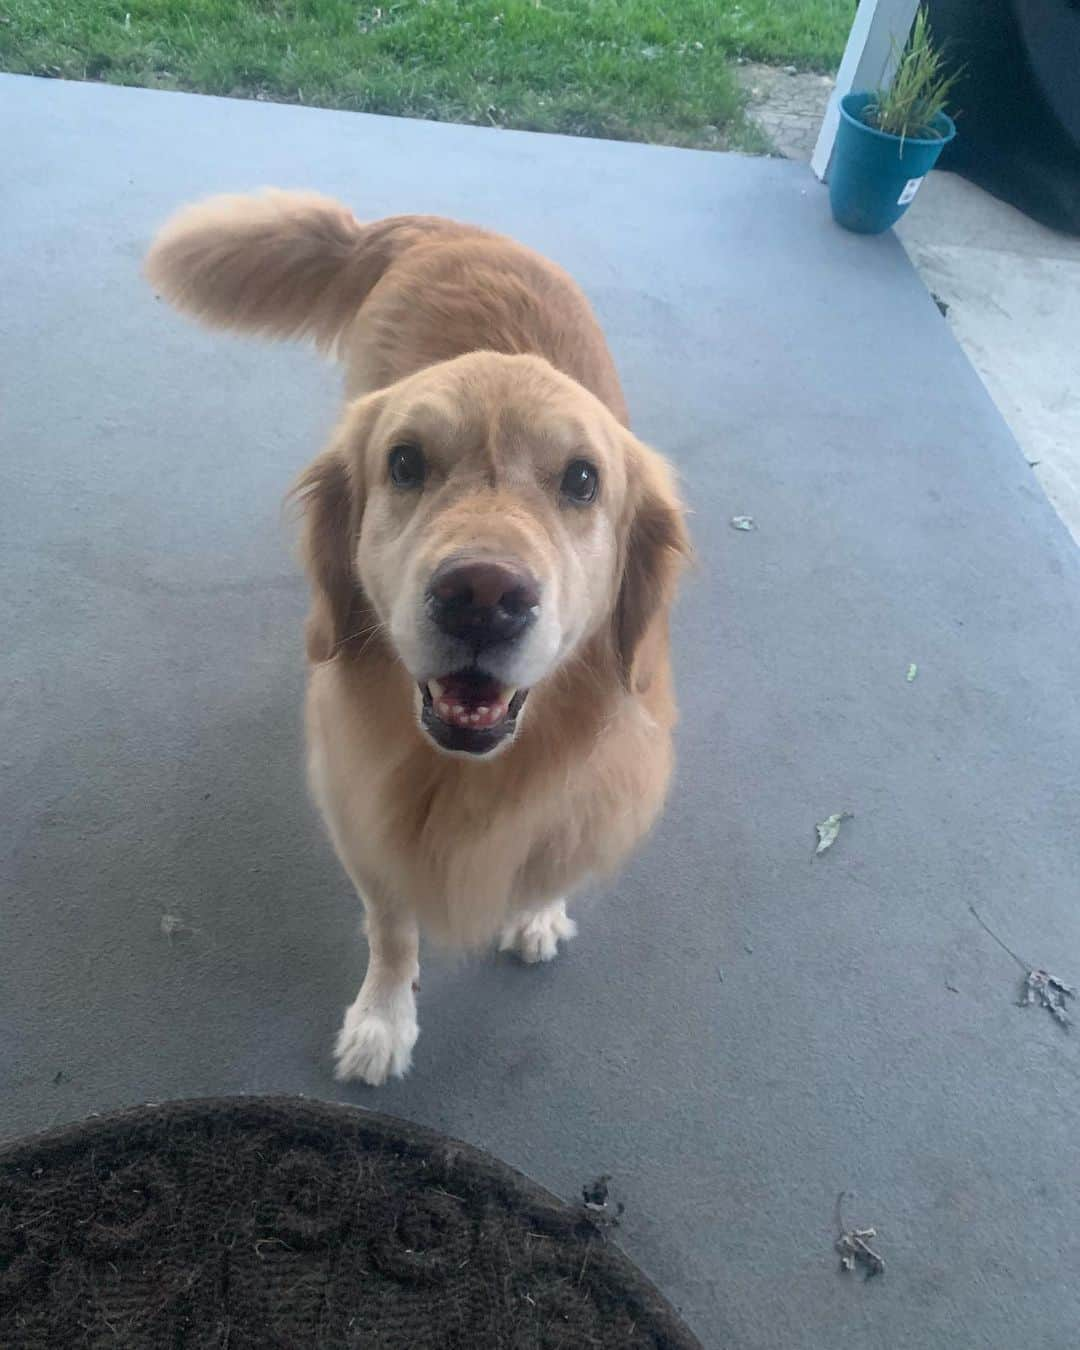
{"x": 485, "y": 519}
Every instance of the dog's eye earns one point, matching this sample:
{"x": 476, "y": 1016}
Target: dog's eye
{"x": 580, "y": 481}
{"x": 406, "y": 466}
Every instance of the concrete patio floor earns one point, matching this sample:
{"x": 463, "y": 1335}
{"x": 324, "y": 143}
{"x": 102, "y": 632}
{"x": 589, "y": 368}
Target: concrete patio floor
{"x": 1010, "y": 287}
{"x": 739, "y": 1033}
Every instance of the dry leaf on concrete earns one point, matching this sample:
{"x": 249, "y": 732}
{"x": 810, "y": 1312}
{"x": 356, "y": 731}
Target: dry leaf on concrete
{"x": 828, "y": 830}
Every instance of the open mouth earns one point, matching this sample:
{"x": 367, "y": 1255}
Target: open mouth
{"x": 470, "y": 711}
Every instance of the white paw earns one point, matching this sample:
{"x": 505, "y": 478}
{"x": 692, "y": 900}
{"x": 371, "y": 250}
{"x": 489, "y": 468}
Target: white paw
{"x": 375, "y": 1043}
{"x": 535, "y": 937}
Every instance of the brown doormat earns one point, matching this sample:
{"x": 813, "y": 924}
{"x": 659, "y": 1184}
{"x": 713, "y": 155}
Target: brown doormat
{"x": 280, "y": 1222}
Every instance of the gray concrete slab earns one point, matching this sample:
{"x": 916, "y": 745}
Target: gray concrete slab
{"x": 739, "y": 1033}
{"x": 1011, "y": 286}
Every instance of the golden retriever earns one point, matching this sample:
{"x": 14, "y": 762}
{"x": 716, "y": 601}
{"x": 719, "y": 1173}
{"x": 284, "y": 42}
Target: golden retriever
{"x": 492, "y": 556}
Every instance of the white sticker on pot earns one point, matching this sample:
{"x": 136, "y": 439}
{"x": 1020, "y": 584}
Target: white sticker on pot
{"x": 910, "y": 188}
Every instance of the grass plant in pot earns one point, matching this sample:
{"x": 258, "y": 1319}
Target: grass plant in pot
{"x": 889, "y": 139}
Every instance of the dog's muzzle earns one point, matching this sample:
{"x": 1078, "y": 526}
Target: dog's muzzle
{"x": 485, "y": 607}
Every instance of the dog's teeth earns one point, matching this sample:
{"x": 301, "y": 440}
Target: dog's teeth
{"x": 458, "y": 709}
{"x": 474, "y": 717}
{"x": 436, "y": 688}
{"x": 483, "y": 710}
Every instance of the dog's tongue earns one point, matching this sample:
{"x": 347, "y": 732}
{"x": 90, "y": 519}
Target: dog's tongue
{"x": 470, "y": 700}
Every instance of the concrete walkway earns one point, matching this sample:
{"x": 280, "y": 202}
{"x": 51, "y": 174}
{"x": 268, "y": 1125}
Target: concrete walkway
{"x": 739, "y": 1034}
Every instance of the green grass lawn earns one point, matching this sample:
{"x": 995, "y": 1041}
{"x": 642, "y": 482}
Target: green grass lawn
{"x": 655, "y": 70}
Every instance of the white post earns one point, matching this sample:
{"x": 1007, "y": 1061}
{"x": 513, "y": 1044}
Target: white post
{"x": 876, "y": 39}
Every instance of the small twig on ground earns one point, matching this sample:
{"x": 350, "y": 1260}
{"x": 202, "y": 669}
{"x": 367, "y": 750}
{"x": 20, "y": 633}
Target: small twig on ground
{"x": 594, "y": 1195}
{"x": 1050, "y": 993}
{"x": 854, "y": 1248}
{"x": 1003, "y": 945}
{"x": 853, "y": 1244}
{"x": 1039, "y": 985}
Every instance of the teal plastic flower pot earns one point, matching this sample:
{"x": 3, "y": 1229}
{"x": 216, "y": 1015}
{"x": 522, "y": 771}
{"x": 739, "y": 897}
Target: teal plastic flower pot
{"x": 874, "y": 175}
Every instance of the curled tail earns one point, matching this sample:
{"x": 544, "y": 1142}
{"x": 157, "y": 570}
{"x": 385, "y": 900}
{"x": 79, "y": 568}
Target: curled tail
{"x": 281, "y": 264}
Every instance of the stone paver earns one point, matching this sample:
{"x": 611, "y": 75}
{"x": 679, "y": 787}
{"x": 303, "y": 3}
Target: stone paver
{"x": 786, "y": 104}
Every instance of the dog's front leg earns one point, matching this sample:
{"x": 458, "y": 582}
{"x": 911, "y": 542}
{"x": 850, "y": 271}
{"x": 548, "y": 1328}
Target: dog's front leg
{"x": 380, "y": 1028}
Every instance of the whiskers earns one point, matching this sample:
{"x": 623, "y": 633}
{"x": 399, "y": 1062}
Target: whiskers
{"x": 369, "y": 634}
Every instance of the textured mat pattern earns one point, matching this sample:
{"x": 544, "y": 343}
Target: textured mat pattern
{"x": 260, "y": 1222}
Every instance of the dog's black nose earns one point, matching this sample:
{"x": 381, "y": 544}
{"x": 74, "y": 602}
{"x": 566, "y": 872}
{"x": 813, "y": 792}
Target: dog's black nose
{"x": 483, "y": 603}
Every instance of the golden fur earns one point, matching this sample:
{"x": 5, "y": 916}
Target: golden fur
{"x": 489, "y": 356}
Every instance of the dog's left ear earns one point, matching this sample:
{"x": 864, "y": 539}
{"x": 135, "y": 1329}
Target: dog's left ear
{"x": 657, "y": 548}
{"x": 331, "y": 494}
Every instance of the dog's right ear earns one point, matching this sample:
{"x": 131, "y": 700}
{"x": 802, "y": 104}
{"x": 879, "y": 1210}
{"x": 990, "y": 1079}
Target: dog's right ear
{"x": 330, "y": 493}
